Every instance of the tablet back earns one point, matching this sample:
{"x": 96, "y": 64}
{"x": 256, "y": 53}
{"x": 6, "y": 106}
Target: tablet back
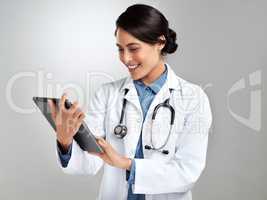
{"x": 85, "y": 139}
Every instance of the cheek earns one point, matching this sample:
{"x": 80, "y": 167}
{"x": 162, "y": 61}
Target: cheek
{"x": 121, "y": 57}
{"x": 150, "y": 58}
{"x": 155, "y": 54}
{"x": 138, "y": 57}
{"x": 142, "y": 56}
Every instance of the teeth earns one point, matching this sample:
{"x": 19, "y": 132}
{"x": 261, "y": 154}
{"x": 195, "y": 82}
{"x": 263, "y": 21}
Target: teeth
{"x": 132, "y": 66}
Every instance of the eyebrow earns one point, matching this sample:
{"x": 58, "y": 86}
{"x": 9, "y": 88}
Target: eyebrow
{"x": 130, "y": 44}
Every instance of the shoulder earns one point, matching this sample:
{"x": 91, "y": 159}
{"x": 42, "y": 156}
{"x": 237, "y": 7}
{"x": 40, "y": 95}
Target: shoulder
{"x": 190, "y": 88}
{"x": 110, "y": 90}
{"x": 186, "y": 87}
{"x": 191, "y": 96}
{"x": 114, "y": 86}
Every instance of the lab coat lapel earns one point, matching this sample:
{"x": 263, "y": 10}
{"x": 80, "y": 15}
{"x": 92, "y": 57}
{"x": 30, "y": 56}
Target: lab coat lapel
{"x": 164, "y": 93}
{"x": 160, "y": 97}
{"x": 135, "y": 128}
{"x": 131, "y": 96}
{"x": 133, "y": 116}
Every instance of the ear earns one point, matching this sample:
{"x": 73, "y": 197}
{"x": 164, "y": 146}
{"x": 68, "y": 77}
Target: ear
{"x": 162, "y": 42}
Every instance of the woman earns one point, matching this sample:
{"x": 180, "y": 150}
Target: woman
{"x": 144, "y": 158}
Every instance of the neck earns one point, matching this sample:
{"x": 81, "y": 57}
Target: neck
{"x": 154, "y": 74}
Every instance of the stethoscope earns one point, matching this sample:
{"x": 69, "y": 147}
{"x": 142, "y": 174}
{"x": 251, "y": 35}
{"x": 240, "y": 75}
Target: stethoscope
{"x": 121, "y": 130}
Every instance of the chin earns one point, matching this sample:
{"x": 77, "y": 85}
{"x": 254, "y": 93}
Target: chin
{"x": 136, "y": 76}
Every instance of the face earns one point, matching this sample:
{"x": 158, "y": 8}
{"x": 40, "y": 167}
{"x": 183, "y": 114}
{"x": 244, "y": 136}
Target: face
{"x": 142, "y": 59}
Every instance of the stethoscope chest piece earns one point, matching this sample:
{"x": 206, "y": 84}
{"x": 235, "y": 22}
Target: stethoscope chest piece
{"x": 120, "y": 131}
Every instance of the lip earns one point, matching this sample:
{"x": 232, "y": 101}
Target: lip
{"x": 130, "y": 68}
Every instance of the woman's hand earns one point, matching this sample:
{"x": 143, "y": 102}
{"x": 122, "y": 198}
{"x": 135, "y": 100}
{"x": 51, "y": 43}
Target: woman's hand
{"x": 111, "y": 157}
{"x": 67, "y": 121}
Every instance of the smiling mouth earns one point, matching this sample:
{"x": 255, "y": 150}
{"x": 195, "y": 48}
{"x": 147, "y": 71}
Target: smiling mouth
{"x": 132, "y": 67}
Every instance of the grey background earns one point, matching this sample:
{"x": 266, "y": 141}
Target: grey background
{"x": 72, "y": 42}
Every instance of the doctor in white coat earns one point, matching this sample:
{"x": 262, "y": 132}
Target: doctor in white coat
{"x": 163, "y": 160}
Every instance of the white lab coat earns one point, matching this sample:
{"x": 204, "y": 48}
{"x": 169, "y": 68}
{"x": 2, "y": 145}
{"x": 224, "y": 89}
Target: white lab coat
{"x": 159, "y": 176}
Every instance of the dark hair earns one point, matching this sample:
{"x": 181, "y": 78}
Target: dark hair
{"x": 147, "y": 24}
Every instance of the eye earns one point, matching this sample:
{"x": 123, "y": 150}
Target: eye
{"x": 133, "y": 49}
{"x": 120, "y": 50}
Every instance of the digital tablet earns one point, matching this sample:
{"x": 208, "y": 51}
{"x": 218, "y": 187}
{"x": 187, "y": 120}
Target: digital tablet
{"x": 85, "y": 139}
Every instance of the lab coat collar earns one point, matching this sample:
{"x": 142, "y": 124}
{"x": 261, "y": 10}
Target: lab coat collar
{"x": 172, "y": 81}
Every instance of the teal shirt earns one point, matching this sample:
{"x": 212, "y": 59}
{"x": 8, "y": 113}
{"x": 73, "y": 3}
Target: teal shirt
{"x": 146, "y": 95}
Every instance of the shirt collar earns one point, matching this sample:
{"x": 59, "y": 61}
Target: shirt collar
{"x": 172, "y": 81}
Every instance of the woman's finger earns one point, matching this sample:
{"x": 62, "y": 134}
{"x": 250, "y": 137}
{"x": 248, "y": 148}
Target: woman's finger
{"x": 107, "y": 148}
{"x": 103, "y": 143}
{"x": 77, "y": 114}
{"x": 73, "y": 107}
{"x": 79, "y": 122}
{"x": 102, "y": 140}
{"x": 62, "y": 102}
{"x": 99, "y": 142}
{"x": 81, "y": 117}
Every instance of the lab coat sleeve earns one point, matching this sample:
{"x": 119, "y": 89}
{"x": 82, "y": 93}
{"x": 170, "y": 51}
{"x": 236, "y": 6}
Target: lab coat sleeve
{"x": 179, "y": 174}
{"x": 82, "y": 162}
